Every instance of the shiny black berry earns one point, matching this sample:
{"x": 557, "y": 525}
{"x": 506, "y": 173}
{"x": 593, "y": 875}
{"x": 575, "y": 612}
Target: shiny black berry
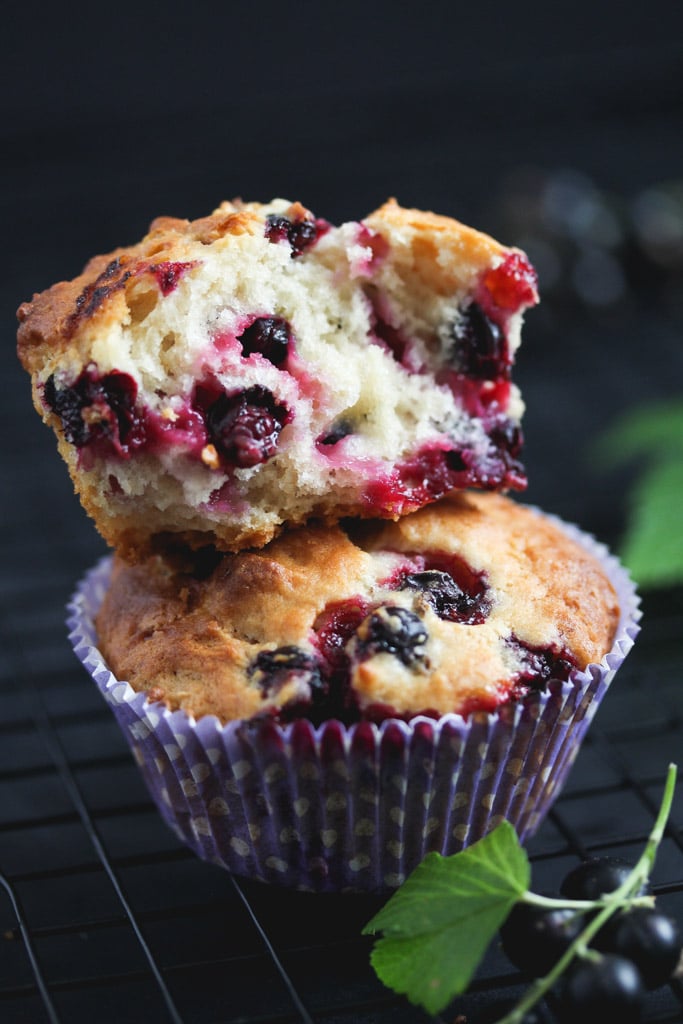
{"x": 595, "y": 991}
{"x": 68, "y": 403}
{"x": 391, "y": 630}
{"x": 300, "y": 232}
{"x": 448, "y": 599}
{"x": 647, "y": 937}
{"x": 592, "y": 878}
{"x": 534, "y": 939}
{"x": 245, "y": 427}
{"x": 271, "y": 670}
{"x": 338, "y": 430}
{"x": 538, "y": 665}
{"x": 268, "y": 335}
{"x": 479, "y": 346}
{"x": 507, "y": 437}
{"x": 97, "y": 407}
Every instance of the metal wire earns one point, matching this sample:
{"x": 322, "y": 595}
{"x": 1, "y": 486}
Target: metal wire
{"x": 621, "y": 778}
{"x": 212, "y": 949}
{"x": 25, "y": 934}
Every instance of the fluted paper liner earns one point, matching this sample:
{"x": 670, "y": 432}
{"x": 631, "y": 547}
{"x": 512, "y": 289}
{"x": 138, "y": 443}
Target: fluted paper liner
{"x": 353, "y": 808}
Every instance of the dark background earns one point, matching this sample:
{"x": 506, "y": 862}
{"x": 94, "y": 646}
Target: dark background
{"x": 113, "y": 115}
{"x": 558, "y": 127}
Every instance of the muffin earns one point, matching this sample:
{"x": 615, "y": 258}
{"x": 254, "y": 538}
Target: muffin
{"x": 260, "y": 367}
{"x": 459, "y": 607}
{"x": 323, "y": 712}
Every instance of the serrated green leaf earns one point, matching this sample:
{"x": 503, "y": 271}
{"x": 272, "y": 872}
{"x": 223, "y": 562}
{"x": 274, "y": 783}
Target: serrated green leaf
{"x": 431, "y": 970}
{"x": 438, "y": 925}
{"x": 652, "y": 546}
{"x": 652, "y": 431}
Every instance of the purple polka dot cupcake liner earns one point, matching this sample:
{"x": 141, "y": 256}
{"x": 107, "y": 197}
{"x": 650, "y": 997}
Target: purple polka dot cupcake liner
{"x": 339, "y": 808}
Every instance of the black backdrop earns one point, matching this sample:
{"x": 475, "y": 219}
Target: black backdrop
{"x": 113, "y": 114}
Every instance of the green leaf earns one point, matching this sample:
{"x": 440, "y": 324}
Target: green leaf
{"x": 654, "y": 431}
{"x": 432, "y": 970}
{"x": 438, "y": 925}
{"x": 652, "y": 546}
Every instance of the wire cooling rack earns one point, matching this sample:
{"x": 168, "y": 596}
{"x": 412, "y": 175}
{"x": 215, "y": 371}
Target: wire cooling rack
{"x": 105, "y": 917}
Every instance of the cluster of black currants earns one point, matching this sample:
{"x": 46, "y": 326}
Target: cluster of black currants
{"x": 637, "y": 948}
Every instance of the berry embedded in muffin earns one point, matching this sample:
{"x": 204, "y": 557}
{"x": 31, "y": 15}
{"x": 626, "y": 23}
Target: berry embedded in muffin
{"x": 259, "y": 367}
{"x": 466, "y": 605}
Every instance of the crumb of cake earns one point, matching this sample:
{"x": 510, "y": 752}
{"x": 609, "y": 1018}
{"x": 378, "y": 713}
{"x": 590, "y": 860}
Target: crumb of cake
{"x": 360, "y": 369}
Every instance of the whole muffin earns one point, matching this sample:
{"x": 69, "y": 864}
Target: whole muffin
{"x": 461, "y": 606}
{"x": 323, "y": 712}
{"x": 259, "y": 367}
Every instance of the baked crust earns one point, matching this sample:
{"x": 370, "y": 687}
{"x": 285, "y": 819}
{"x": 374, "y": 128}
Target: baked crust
{"x": 56, "y": 319}
{"x": 441, "y": 250}
{"x": 196, "y": 639}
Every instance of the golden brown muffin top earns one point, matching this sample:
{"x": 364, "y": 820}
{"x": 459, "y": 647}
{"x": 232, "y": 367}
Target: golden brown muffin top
{"x": 462, "y": 606}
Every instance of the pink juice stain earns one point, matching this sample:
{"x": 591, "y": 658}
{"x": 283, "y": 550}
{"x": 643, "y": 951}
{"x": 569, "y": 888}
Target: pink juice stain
{"x": 511, "y": 286}
{"x": 169, "y": 273}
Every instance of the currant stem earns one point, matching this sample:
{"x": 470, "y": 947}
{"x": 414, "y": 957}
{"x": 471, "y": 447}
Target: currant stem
{"x": 611, "y": 902}
{"x": 558, "y": 903}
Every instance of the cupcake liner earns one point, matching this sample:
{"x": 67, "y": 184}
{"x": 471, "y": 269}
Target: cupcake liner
{"x": 353, "y": 808}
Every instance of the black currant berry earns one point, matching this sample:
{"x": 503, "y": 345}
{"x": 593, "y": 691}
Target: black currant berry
{"x": 270, "y": 336}
{"x": 300, "y": 232}
{"x": 538, "y": 665}
{"x": 448, "y": 599}
{"x": 393, "y": 630}
{"x": 245, "y": 427}
{"x": 271, "y": 669}
{"x": 596, "y": 991}
{"x": 591, "y": 879}
{"x": 338, "y": 430}
{"x": 98, "y": 407}
{"x": 647, "y": 937}
{"x": 479, "y": 345}
{"x": 534, "y": 939}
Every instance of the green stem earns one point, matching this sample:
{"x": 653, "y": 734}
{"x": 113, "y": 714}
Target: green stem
{"x": 611, "y": 902}
{"x": 580, "y": 906}
{"x": 556, "y": 903}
